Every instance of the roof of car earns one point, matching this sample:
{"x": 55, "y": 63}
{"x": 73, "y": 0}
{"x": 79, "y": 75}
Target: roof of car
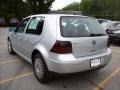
{"x": 46, "y": 15}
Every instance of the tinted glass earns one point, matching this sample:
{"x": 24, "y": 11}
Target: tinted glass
{"x": 115, "y": 24}
{"x": 80, "y": 27}
{"x": 102, "y": 21}
{"x": 35, "y": 26}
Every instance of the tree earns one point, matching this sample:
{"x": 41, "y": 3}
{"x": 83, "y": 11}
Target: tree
{"x": 40, "y": 6}
{"x": 109, "y": 9}
{"x": 22, "y": 8}
{"x": 3, "y": 8}
{"x": 75, "y": 6}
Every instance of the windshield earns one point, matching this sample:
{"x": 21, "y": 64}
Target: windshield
{"x": 74, "y": 26}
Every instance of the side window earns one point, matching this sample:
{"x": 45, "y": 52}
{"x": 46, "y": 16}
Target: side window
{"x": 35, "y": 26}
{"x": 22, "y": 25}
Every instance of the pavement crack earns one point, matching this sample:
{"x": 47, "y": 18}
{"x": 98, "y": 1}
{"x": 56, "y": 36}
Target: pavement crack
{"x": 92, "y": 82}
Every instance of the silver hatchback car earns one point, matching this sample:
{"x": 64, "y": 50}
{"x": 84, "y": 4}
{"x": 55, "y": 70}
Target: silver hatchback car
{"x": 60, "y": 43}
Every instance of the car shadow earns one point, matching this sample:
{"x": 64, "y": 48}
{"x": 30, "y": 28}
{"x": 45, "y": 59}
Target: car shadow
{"x": 74, "y": 78}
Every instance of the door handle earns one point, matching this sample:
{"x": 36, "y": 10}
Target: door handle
{"x": 34, "y": 41}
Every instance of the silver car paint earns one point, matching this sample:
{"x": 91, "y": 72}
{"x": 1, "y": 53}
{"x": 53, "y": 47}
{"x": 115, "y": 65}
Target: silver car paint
{"x": 77, "y": 61}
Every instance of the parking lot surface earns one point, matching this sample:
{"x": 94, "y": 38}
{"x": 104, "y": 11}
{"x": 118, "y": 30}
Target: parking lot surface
{"x": 17, "y": 74}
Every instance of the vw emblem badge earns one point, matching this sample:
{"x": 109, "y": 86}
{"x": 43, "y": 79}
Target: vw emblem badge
{"x": 93, "y": 42}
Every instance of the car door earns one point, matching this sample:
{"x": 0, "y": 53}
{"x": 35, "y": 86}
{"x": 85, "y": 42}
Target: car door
{"x": 16, "y": 37}
{"x": 32, "y": 35}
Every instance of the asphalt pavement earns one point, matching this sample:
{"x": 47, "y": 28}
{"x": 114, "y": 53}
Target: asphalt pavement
{"x": 17, "y": 74}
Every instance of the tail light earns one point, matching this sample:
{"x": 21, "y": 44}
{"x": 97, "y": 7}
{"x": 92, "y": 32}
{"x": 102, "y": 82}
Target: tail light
{"x": 62, "y": 47}
{"x": 108, "y": 42}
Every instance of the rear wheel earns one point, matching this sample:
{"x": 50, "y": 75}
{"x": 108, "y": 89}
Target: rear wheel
{"x": 10, "y": 49}
{"x": 40, "y": 69}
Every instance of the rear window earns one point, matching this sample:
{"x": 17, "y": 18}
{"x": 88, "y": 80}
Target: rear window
{"x": 115, "y": 24}
{"x": 102, "y": 21}
{"x": 74, "y": 26}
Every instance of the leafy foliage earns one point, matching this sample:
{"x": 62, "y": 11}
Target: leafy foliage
{"x": 40, "y": 6}
{"x": 22, "y": 8}
{"x": 75, "y": 6}
{"x": 109, "y": 9}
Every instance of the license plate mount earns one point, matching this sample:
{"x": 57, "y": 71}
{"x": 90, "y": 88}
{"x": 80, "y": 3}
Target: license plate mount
{"x": 95, "y": 62}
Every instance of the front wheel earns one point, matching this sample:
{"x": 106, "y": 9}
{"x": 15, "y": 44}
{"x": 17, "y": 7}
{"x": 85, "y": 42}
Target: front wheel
{"x": 40, "y": 69}
{"x": 10, "y": 49}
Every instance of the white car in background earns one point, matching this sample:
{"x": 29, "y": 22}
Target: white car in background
{"x": 104, "y": 22}
{"x": 109, "y": 25}
{"x": 114, "y": 25}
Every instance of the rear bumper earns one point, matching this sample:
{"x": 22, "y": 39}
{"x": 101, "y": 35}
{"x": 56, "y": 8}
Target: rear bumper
{"x": 78, "y": 65}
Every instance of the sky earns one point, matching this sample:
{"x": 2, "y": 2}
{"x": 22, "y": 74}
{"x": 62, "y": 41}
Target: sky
{"x": 58, "y": 4}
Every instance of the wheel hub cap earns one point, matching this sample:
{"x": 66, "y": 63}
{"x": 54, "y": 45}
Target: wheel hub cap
{"x": 39, "y": 68}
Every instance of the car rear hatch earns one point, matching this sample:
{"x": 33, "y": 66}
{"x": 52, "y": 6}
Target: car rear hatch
{"x": 89, "y": 46}
{"x": 85, "y": 34}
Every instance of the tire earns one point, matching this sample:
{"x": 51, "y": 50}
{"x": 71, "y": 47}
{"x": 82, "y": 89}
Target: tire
{"x": 10, "y": 49}
{"x": 40, "y": 69}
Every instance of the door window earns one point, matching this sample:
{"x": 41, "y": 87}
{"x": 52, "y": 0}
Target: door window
{"x": 35, "y": 26}
{"x": 22, "y": 25}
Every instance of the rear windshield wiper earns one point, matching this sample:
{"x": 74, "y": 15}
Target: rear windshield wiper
{"x": 93, "y": 35}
